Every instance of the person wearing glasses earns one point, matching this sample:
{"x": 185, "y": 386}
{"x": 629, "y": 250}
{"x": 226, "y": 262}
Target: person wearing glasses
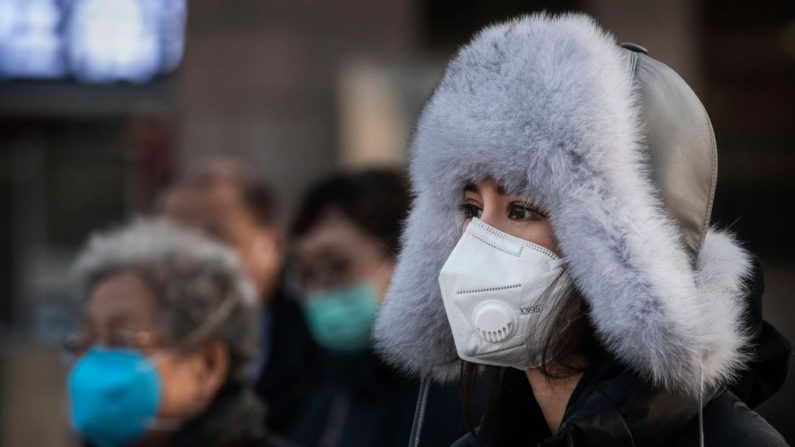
{"x": 344, "y": 243}
{"x": 168, "y": 325}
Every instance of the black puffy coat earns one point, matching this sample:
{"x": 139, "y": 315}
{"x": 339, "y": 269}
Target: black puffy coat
{"x": 611, "y": 406}
{"x": 284, "y": 382}
{"x": 234, "y": 418}
{"x": 358, "y": 401}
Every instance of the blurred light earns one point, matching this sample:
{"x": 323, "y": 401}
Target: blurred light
{"x": 173, "y": 14}
{"x": 29, "y": 42}
{"x": 113, "y": 40}
{"x": 96, "y": 41}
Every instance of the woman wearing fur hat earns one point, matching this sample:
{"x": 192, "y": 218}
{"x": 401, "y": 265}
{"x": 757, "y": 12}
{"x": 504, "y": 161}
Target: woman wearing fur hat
{"x": 560, "y": 236}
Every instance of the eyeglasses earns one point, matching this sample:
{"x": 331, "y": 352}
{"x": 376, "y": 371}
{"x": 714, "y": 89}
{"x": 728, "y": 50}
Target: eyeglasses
{"x": 330, "y": 273}
{"x": 322, "y": 277}
{"x": 77, "y": 344}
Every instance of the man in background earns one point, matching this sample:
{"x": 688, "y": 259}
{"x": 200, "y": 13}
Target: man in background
{"x": 232, "y": 205}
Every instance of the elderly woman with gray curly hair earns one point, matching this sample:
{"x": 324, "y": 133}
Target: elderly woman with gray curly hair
{"x": 167, "y": 327}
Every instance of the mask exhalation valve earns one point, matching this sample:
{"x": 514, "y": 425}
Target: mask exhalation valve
{"x": 493, "y": 321}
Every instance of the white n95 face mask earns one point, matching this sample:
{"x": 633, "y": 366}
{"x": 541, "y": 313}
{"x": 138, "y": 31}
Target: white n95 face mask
{"x": 496, "y": 291}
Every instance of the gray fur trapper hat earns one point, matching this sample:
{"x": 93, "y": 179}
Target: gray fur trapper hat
{"x": 620, "y": 152}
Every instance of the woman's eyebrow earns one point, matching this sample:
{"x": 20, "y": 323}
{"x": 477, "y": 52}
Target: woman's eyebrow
{"x": 472, "y": 187}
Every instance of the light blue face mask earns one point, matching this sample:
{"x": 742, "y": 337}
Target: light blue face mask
{"x": 114, "y": 395}
{"x": 342, "y": 320}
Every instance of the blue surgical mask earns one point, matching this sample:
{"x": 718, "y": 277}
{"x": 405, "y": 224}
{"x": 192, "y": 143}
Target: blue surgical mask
{"x": 342, "y": 320}
{"x": 114, "y": 395}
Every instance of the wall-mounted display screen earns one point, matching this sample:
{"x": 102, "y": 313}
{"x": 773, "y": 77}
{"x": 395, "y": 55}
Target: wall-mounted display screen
{"x": 94, "y": 41}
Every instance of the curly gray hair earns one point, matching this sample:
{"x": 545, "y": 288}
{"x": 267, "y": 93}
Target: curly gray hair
{"x": 202, "y": 290}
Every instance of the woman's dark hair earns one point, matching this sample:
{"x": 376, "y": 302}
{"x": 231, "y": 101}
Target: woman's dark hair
{"x": 377, "y": 200}
{"x": 569, "y": 345}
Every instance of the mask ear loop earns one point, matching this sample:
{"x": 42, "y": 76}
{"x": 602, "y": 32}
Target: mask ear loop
{"x": 419, "y": 413}
{"x": 221, "y": 314}
{"x": 701, "y": 408}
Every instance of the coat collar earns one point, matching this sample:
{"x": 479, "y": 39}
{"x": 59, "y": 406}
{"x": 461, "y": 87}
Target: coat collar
{"x": 613, "y": 407}
{"x": 610, "y": 406}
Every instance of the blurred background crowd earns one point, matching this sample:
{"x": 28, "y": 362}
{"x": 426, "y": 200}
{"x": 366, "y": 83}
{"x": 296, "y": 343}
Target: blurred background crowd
{"x": 278, "y": 130}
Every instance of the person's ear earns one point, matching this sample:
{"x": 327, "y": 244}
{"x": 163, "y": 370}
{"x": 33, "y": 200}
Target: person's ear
{"x": 269, "y": 247}
{"x": 383, "y": 276}
{"x": 213, "y": 368}
{"x": 274, "y": 240}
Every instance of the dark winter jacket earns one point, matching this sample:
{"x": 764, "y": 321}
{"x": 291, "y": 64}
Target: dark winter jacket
{"x": 235, "y": 418}
{"x": 612, "y": 407}
{"x": 284, "y": 381}
{"x": 356, "y": 400}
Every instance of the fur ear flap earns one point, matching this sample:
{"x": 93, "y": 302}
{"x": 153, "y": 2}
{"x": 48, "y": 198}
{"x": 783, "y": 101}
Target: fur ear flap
{"x": 694, "y": 340}
{"x": 723, "y": 268}
{"x": 412, "y": 332}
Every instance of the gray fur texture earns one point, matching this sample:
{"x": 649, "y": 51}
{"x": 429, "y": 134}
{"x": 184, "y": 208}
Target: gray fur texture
{"x": 546, "y": 106}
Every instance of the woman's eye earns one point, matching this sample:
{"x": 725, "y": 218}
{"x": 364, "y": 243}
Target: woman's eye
{"x": 523, "y": 212}
{"x": 339, "y": 266}
{"x": 471, "y": 211}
